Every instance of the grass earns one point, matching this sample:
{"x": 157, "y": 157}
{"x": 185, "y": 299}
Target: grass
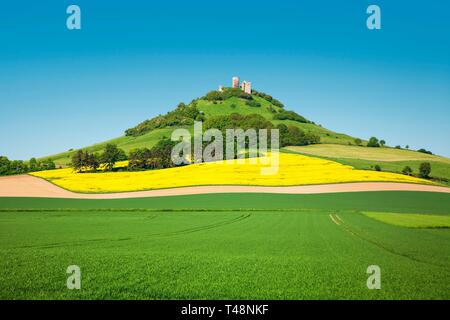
{"x": 411, "y": 220}
{"x": 220, "y": 247}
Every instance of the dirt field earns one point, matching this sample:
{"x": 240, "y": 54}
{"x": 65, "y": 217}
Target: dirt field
{"x": 29, "y": 186}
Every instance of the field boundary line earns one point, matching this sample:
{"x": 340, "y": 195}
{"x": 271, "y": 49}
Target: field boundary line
{"x": 30, "y": 186}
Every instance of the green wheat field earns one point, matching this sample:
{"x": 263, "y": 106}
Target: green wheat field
{"x": 228, "y": 246}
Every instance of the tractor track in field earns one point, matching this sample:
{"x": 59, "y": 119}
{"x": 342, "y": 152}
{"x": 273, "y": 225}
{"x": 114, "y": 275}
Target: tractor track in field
{"x": 340, "y": 223}
{"x": 162, "y": 234}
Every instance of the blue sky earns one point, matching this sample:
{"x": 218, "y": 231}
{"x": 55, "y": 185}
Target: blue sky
{"x": 132, "y": 60}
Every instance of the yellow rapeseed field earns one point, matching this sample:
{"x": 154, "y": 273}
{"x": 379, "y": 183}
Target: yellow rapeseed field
{"x": 294, "y": 169}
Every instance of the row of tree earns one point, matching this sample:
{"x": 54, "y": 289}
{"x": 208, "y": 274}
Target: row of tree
{"x": 375, "y": 143}
{"x": 11, "y": 167}
{"x": 160, "y": 155}
{"x": 86, "y": 161}
{"x": 424, "y": 170}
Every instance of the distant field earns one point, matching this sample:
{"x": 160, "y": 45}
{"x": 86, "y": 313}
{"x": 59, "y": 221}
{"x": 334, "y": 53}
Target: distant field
{"x": 411, "y": 220}
{"x": 239, "y": 246}
{"x": 364, "y": 153}
{"x": 389, "y": 159}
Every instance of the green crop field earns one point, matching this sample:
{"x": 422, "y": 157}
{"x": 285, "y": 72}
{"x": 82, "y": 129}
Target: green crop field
{"x": 411, "y": 220}
{"x": 238, "y": 246}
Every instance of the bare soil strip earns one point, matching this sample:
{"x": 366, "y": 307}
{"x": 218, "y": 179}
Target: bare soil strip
{"x": 29, "y": 186}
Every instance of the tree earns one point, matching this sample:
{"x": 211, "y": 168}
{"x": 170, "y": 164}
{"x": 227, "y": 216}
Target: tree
{"x": 294, "y": 136}
{"x": 377, "y": 167}
{"x": 425, "y": 170}
{"x": 34, "y": 165}
{"x": 78, "y": 160}
{"x": 358, "y": 141}
{"x": 422, "y": 150}
{"x": 373, "y": 142}
{"x": 92, "y": 161}
{"x": 138, "y": 159}
{"x": 18, "y": 167}
{"x": 4, "y": 166}
{"x": 111, "y": 155}
{"x": 382, "y": 143}
{"x": 407, "y": 170}
{"x": 47, "y": 164}
{"x": 407, "y": 147}
{"x": 289, "y": 115}
{"x": 283, "y": 134}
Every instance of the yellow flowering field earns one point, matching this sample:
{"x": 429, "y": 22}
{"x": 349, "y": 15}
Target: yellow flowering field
{"x": 294, "y": 169}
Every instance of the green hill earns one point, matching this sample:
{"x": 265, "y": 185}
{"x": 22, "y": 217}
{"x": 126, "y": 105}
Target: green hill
{"x": 215, "y": 103}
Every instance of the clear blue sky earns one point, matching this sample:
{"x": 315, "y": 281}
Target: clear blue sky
{"x": 132, "y": 60}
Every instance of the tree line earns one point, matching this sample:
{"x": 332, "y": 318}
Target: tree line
{"x": 12, "y": 167}
{"x": 159, "y": 156}
{"x": 83, "y": 160}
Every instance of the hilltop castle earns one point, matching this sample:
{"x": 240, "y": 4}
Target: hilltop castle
{"x": 246, "y": 86}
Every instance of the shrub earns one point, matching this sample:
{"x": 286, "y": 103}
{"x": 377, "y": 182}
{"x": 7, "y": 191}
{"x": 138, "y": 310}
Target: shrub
{"x": 407, "y": 170}
{"x": 296, "y": 137}
{"x": 226, "y": 94}
{"x": 373, "y": 142}
{"x": 271, "y": 109}
{"x": 253, "y": 103}
{"x": 424, "y": 151}
{"x": 377, "y": 167}
{"x": 269, "y": 98}
{"x": 358, "y": 141}
{"x": 425, "y": 170}
{"x": 289, "y": 115}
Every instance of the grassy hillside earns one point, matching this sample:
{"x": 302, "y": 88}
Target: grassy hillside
{"x": 209, "y": 109}
{"x": 389, "y": 159}
{"x": 224, "y": 246}
{"x": 126, "y": 143}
